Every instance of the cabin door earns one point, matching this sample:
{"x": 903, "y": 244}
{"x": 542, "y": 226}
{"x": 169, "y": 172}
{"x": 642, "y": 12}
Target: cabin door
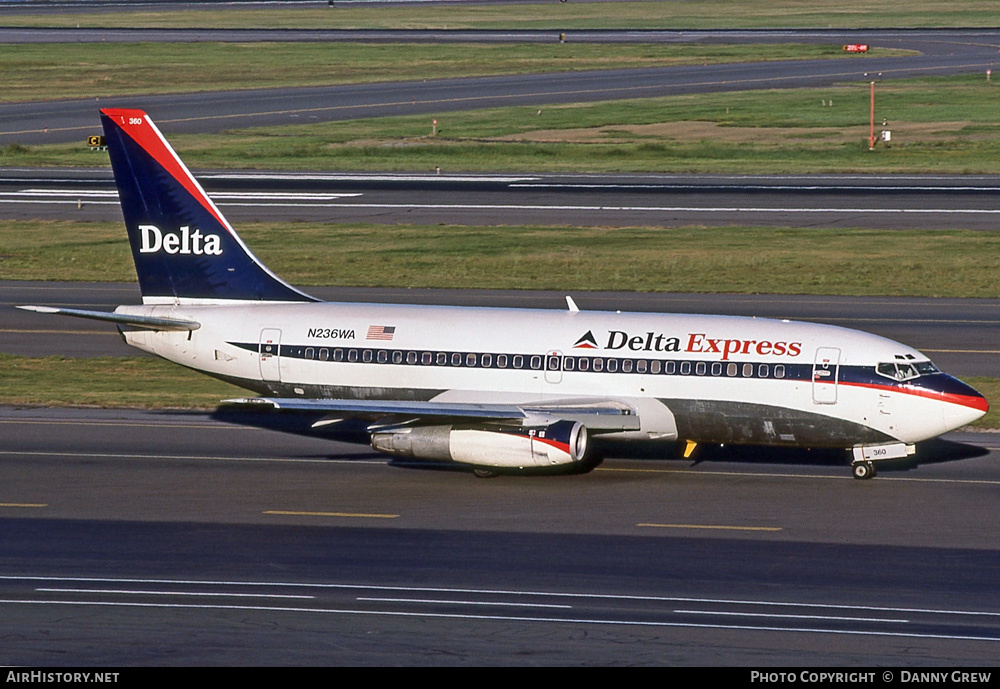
{"x": 270, "y": 359}
{"x": 826, "y": 375}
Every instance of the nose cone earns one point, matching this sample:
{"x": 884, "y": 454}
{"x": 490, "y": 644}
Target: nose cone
{"x": 964, "y": 403}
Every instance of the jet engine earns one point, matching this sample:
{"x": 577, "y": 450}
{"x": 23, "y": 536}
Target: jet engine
{"x": 559, "y": 443}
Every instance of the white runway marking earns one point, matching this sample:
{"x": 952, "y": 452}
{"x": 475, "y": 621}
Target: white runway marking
{"x": 646, "y": 615}
{"x": 327, "y": 201}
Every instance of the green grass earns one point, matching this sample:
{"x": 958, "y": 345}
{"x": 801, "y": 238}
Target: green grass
{"x": 952, "y": 263}
{"x": 102, "y": 70}
{"x": 556, "y": 16}
{"x": 939, "y": 125}
{"x": 126, "y": 382}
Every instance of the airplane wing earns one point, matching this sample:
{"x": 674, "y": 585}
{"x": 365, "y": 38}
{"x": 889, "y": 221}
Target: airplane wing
{"x": 598, "y": 416}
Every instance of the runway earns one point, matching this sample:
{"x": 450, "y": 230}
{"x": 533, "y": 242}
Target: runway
{"x": 156, "y": 529}
{"x": 884, "y": 202}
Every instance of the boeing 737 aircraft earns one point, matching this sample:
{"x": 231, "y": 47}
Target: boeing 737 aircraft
{"x": 500, "y": 389}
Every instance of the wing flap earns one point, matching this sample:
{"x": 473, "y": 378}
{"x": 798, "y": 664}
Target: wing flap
{"x": 597, "y": 415}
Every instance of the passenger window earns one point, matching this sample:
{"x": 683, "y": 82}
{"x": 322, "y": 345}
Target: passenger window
{"x": 501, "y": 361}
{"x": 699, "y": 368}
{"x": 598, "y": 365}
{"x": 732, "y": 370}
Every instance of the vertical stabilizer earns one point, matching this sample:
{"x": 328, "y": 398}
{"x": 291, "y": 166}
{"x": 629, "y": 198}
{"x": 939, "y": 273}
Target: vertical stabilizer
{"x": 184, "y": 248}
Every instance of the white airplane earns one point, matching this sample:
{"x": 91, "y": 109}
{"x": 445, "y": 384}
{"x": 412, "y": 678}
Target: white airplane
{"x": 500, "y": 389}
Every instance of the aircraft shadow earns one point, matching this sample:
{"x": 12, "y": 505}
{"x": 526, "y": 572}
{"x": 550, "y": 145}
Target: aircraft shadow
{"x": 930, "y": 452}
{"x": 936, "y": 451}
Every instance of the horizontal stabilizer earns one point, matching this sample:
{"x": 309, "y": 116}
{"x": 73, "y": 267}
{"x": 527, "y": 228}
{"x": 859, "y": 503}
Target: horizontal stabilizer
{"x": 148, "y": 322}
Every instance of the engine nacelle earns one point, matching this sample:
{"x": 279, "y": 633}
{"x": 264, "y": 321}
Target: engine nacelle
{"x": 563, "y": 442}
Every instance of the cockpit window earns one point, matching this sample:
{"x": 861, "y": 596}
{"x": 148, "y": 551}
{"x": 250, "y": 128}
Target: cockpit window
{"x": 904, "y": 370}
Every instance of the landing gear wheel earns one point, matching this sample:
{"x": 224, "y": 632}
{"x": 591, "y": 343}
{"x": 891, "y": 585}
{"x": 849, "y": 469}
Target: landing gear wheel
{"x": 863, "y": 470}
{"x": 480, "y": 472}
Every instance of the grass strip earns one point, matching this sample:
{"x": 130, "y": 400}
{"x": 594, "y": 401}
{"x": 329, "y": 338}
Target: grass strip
{"x": 691, "y": 14}
{"x": 103, "y": 70}
{"x": 125, "y": 382}
{"x": 929, "y": 263}
{"x": 939, "y": 125}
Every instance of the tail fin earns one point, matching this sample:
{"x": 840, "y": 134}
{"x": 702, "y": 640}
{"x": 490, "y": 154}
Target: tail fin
{"x": 183, "y": 247}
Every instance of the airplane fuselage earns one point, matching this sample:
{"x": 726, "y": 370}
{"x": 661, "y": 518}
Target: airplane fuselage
{"x": 713, "y": 379}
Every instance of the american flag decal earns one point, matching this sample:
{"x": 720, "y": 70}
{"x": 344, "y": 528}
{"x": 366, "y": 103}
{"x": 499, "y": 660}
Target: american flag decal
{"x": 380, "y": 332}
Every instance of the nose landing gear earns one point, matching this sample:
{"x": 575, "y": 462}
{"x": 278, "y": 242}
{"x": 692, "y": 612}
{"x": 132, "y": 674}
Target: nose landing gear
{"x": 863, "y": 470}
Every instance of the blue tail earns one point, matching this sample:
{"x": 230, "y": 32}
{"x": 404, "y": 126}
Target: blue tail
{"x": 183, "y": 247}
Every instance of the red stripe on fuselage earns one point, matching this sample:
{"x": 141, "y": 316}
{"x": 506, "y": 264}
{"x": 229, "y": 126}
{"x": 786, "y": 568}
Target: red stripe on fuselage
{"x": 971, "y": 401}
